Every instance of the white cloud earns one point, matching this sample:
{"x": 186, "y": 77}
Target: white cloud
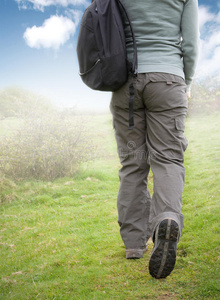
{"x": 209, "y": 60}
{"x": 40, "y": 4}
{"x": 204, "y": 16}
{"x": 54, "y": 32}
{"x": 218, "y": 17}
{"x": 210, "y": 66}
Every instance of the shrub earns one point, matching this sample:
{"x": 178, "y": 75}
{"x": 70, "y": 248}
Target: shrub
{"x": 17, "y": 102}
{"x": 45, "y": 147}
{"x": 205, "y": 96}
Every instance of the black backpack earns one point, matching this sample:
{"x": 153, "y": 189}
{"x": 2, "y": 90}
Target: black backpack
{"x": 101, "y": 49}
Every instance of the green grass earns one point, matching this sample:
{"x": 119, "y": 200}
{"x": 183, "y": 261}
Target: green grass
{"x": 60, "y": 240}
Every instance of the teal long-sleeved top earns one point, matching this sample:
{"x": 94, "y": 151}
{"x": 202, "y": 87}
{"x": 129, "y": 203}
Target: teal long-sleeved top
{"x": 167, "y": 36}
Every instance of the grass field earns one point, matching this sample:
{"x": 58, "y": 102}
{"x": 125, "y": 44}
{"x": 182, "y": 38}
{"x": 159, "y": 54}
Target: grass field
{"x": 60, "y": 240}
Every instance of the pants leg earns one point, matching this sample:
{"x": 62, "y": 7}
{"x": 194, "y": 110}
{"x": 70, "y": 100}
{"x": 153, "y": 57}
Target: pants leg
{"x": 166, "y": 107}
{"x": 133, "y": 198}
{"x": 158, "y": 137}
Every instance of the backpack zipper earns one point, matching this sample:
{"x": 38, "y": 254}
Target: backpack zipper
{"x": 81, "y": 74}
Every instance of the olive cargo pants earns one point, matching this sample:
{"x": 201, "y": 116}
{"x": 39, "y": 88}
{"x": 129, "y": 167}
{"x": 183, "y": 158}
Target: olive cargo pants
{"x": 157, "y": 142}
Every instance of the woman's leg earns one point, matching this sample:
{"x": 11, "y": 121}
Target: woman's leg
{"x": 133, "y": 197}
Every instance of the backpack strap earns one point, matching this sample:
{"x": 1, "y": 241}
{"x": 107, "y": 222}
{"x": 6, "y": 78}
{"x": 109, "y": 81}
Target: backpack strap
{"x": 131, "y": 104}
{"x": 134, "y": 70}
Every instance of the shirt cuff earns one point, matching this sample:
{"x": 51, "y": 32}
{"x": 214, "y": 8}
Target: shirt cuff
{"x": 188, "y": 86}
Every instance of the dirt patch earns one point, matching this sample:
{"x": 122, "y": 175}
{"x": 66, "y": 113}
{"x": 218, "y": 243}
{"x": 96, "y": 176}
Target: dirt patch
{"x": 167, "y": 296}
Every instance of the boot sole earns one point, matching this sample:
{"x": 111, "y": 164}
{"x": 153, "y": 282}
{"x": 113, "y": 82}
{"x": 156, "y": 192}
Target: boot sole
{"x": 163, "y": 257}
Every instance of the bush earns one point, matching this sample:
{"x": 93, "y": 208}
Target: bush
{"x": 17, "y": 102}
{"x": 205, "y": 96}
{"x": 45, "y": 147}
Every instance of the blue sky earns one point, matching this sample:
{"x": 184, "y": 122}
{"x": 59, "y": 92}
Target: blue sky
{"x": 38, "y": 42}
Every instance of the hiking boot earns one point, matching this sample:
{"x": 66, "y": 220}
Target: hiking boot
{"x": 163, "y": 257}
{"x": 135, "y": 253}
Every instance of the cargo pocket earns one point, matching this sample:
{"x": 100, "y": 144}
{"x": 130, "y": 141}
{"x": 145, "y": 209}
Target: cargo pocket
{"x": 180, "y": 127}
{"x": 179, "y": 124}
